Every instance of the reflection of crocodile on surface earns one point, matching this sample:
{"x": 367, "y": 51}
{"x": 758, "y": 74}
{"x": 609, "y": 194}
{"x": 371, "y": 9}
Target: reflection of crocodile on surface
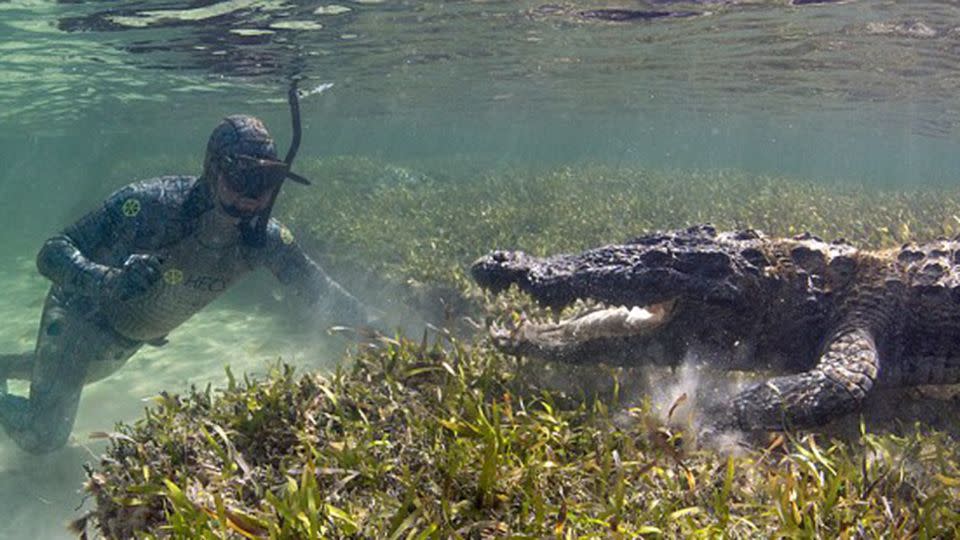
{"x": 836, "y": 320}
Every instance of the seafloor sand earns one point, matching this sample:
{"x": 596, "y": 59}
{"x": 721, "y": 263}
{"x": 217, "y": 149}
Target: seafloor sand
{"x": 39, "y": 495}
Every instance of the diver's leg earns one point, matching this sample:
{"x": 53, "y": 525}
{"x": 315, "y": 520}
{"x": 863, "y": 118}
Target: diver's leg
{"x": 42, "y": 422}
{"x": 15, "y": 366}
{"x": 67, "y": 346}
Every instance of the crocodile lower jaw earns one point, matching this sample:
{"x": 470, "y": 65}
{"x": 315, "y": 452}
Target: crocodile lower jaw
{"x": 594, "y": 324}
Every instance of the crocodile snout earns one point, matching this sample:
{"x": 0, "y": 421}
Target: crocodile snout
{"x": 499, "y": 269}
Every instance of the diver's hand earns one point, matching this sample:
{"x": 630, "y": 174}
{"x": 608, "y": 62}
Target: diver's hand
{"x": 138, "y": 273}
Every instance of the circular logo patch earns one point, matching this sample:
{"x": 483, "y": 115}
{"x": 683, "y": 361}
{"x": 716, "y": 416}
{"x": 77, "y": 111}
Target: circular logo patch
{"x": 131, "y": 207}
{"x": 286, "y": 236}
{"x": 173, "y": 276}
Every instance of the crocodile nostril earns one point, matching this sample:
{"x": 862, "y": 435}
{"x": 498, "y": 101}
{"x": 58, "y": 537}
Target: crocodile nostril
{"x": 500, "y": 256}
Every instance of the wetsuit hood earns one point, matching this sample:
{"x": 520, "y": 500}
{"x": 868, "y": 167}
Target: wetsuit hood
{"x": 242, "y": 149}
{"x": 244, "y": 153}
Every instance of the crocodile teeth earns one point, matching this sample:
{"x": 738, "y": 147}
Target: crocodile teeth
{"x": 637, "y": 316}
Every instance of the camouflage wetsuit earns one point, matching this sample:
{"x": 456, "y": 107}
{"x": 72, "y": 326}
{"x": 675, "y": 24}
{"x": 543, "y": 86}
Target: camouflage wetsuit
{"x": 86, "y": 334}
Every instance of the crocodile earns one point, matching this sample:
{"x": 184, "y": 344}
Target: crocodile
{"x": 829, "y": 322}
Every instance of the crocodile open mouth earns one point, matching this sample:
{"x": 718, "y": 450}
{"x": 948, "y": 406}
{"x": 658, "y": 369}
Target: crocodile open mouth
{"x": 594, "y": 324}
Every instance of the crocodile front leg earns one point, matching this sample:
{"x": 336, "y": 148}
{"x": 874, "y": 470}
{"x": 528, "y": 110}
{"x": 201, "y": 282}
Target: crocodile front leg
{"x": 842, "y": 378}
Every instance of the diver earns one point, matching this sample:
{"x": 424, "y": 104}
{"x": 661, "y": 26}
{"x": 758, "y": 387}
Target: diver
{"x": 151, "y": 256}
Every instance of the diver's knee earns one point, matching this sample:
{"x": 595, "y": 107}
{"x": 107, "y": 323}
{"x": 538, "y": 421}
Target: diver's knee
{"x": 44, "y": 445}
{"x": 34, "y": 428}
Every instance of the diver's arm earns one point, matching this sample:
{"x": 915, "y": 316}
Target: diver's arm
{"x": 65, "y": 258}
{"x": 61, "y": 261}
{"x": 292, "y": 267}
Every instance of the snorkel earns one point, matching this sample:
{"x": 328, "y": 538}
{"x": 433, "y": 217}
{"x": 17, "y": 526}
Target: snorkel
{"x": 254, "y": 231}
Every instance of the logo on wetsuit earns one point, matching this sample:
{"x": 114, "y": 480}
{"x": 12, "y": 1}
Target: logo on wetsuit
{"x": 131, "y": 207}
{"x": 285, "y": 235}
{"x": 206, "y": 283}
{"x": 175, "y": 276}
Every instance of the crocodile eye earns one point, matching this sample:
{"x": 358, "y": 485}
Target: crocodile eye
{"x": 746, "y": 234}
